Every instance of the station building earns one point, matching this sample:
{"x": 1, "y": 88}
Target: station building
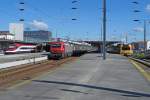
{"x": 6, "y": 38}
{"x": 138, "y": 46}
{"x": 5, "y": 35}
{"x": 37, "y": 36}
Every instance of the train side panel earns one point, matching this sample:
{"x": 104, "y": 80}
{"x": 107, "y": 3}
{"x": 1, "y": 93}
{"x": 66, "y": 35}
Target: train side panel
{"x": 20, "y": 48}
{"x": 68, "y": 49}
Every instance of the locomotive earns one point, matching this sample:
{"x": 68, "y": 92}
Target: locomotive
{"x": 126, "y": 50}
{"x": 61, "y": 49}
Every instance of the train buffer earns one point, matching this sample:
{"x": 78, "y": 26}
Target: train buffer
{"x": 86, "y": 78}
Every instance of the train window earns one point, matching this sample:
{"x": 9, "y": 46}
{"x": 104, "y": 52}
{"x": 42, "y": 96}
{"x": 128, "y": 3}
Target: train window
{"x": 56, "y": 45}
{"x": 27, "y": 48}
{"x": 12, "y": 46}
{"x": 24, "y": 48}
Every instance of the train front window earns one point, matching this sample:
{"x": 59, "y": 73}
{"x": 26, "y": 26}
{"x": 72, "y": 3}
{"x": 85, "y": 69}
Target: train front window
{"x": 125, "y": 48}
{"x": 56, "y": 45}
{"x": 12, "y": 46}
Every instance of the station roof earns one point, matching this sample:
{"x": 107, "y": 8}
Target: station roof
{"x": 5, "y": 33}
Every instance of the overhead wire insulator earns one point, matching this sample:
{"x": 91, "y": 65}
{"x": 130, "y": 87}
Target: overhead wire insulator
{"x": 21, "y": 9}
{"x": 22, "y": 3}
{"x": 74, "y": 19}
{"x": 21, "y": 20}
{"x": 74, "y": 8}
{"x": 74, "y": 1}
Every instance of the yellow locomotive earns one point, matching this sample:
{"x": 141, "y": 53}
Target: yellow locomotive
{"x": 126, "y": 49}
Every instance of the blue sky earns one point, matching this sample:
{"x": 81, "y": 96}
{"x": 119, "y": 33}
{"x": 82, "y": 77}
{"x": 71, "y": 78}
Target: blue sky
{"x": 57, "y": 14}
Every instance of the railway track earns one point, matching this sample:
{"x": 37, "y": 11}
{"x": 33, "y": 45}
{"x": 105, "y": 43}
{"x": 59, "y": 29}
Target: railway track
{"x": 13, "y": 75}
{"x": 144, "y": 61}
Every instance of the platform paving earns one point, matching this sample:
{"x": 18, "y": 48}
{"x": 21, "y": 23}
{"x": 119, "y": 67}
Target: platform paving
{"x": 87, "y": 78}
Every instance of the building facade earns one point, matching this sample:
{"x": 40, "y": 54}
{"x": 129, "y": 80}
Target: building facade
{"x": 138, "y": 46}
{"x": 5, "y": 35}
{"x": 17, "y": 29}
{"x": 5, "y": 39}
{"x": 37, "y": 36}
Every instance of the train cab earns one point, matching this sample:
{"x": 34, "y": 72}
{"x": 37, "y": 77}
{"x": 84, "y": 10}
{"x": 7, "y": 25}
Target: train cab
{"x": 17, "y": 48}
{"x": 59, "y": 49}
{"x": 126, "y": 49}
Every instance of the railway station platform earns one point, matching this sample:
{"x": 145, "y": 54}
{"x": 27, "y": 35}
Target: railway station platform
{"x": 7, "y": 61}
{"x": 87, "y": 78}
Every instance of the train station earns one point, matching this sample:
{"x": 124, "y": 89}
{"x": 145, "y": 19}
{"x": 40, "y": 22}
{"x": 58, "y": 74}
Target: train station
{"x": 74, "y": 50}
{"x": 84, "y": 78}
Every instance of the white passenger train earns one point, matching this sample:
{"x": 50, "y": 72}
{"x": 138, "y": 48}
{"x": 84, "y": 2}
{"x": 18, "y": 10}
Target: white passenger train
{"x": 17, "y": 48}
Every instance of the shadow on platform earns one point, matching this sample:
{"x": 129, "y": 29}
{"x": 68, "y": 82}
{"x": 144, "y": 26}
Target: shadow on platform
{"x": 124, "y": 92}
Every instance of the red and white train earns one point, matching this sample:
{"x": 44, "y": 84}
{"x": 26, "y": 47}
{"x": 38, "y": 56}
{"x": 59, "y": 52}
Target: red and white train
{"x": 58, "y": 49}
{"x": 65, "y": 49}
{"x": 17, "y": 48}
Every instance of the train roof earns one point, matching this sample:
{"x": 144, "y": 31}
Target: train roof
{"x": 72, "y": 42}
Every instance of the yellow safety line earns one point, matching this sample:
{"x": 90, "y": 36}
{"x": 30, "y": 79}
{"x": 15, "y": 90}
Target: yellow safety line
{"x": 141, "y": 70}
